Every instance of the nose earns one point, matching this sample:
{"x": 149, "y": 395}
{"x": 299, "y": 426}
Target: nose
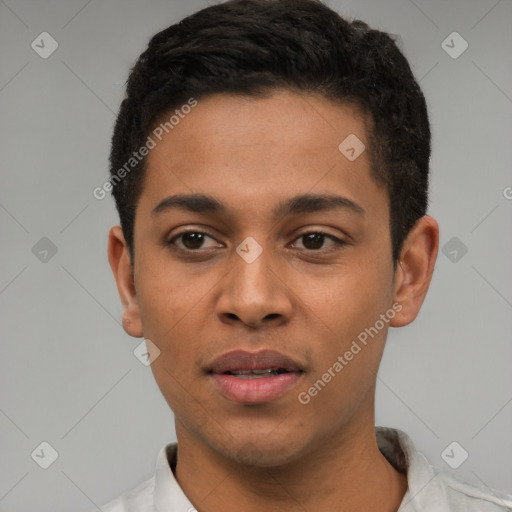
{"x": 254, "y": 294}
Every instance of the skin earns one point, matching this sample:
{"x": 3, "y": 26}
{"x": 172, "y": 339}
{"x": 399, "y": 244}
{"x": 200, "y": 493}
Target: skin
{"x": 305, "y": 301}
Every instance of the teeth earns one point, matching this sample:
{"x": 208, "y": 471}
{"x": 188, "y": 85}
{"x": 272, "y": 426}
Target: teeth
{"x": 254, "y": 374}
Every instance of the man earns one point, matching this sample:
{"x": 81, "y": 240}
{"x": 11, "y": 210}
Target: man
{"x": 270, "y": 167}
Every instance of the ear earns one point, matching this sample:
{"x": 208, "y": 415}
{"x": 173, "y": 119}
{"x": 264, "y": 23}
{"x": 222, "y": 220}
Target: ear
{"x": 414, "y": 270}
{"x": 120, "y": 263}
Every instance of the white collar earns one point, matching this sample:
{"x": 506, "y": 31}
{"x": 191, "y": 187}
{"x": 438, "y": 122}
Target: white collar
{"x": 395, "y": 445}
{"x": 429, "y": 488}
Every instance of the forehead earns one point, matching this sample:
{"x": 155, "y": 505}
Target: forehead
{"x": 244, "y": 149}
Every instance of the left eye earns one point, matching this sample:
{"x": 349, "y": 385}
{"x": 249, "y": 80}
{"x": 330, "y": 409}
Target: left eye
{"x": 315, "y": 239}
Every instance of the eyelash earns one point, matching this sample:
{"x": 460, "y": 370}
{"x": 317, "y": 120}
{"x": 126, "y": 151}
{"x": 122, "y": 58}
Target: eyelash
{"x": 336, "y": 240}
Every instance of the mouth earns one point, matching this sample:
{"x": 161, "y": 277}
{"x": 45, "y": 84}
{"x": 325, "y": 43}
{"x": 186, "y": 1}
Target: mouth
{"x": 257, "y": 373}
{"x": 252, "y": 378}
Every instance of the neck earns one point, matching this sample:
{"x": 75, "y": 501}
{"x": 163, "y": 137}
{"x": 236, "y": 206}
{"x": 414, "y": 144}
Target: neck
{"x": 345, "y": 473}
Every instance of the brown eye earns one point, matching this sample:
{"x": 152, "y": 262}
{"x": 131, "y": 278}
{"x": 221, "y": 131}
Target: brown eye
{"x": 191, "y": 240}
{"x": 313, "y": 241}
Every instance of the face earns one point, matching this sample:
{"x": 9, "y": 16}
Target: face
{"x": 255, "y": 290}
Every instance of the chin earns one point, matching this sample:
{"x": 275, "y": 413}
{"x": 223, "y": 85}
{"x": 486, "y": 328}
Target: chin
{"x": 261, "y": 452}
{"x": 252, "y": 456}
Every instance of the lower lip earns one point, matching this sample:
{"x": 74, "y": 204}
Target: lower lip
{"x": 255, "y": 391}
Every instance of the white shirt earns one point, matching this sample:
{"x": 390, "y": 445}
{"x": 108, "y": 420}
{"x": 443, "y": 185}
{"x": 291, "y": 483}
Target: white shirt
{"x": 430, "y": 489}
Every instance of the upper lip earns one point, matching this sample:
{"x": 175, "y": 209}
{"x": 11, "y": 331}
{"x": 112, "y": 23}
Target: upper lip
{"x": 242, "y": 360}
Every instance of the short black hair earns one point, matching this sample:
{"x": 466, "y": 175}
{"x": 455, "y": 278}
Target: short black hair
{"x": 254, "y": 47}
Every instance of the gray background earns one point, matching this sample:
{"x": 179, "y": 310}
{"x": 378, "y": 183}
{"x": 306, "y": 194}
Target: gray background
{"x": 68, "y": 373}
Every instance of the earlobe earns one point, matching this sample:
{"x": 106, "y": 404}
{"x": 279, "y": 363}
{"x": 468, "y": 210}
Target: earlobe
{"x": 120, "y": 263}
{"x": 414, "y": 270}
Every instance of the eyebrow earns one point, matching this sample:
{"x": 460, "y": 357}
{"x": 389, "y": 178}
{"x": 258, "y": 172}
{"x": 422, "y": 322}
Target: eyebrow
{"x": 304, "y": 203}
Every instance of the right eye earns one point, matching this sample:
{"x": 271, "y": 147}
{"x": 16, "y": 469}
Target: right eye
{"x": 191, "y": 240}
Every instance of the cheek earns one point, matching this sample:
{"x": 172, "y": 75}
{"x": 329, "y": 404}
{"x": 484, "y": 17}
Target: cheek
{"x": 346, "y": 359}
{"x": 347, "y": 324}
{"x": 171, "y": 318}
{"x": 168, "y": 295}
{"x": 175, "y": 370}
{"x": 350, "y": 299}
{"x": 334, "y": 397}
